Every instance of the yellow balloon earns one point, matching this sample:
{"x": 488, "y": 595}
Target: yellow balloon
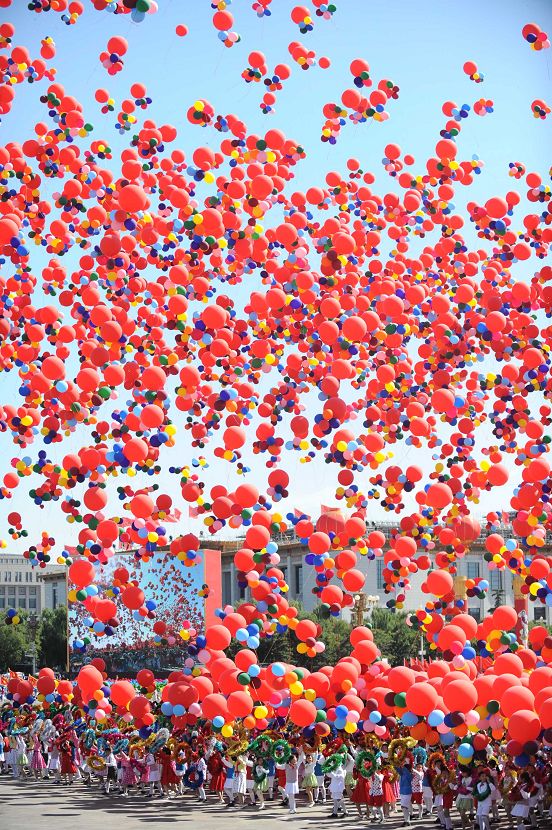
{"x": 350, "y": 728}
{"x": 227, "y": 730}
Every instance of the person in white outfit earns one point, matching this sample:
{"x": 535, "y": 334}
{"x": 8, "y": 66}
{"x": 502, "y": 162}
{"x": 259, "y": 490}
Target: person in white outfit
{"x": 336, "y": 789}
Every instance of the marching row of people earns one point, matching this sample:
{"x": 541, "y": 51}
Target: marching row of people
{"x": 244, "y": 778}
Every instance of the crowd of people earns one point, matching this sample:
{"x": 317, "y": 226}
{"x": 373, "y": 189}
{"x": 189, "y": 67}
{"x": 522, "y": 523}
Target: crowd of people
{"x": 373, "y": 779}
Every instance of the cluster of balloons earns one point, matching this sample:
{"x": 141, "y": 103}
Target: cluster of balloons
{"x": 257, "y": 71}
{"x": 12, "y": 617}
{"x": 540, "y": 108}
{"x": 535, "y": 37}
{"x": 112, "y": 59}
{"x": 17, "y": 67}
{"x": 470, "y": 69}
{"x": 356, "y": 107}
{"x": 203, "y": 291}
{"x": 442, "y": 704}
{"x": 223, "y": 21}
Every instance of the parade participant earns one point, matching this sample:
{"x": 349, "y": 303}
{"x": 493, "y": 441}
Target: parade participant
{"x": 111, "y": 771}
{"x": 240, "y": 780}
{"x": 260, "y": 785}
{"x": 169, "y": 778}
{"x": 292, "y": 781}
{"x": 376, "y": 795}
{"x": 200, "y": 765}
{"x": 390, "y": 780}
{"x": 337, "y": 788}
{"x": 180, "y": 767}
{"x": 217, "y": 771}
{"x": 464, "y": 799}
{"x": 361, "y": 794}
{"x": 418, "y": 773}
{"x": 520, "y": 795}
{"x": 38, "y": 765}
{"x": 320, "y": 794}
{"x": 309, "y": 782}
{"x": 154, "y": 775}
{"x": 271, "y": 775}
{"x": 129, "y": 777}
{"x": 68, "y": 767}
{"x": 405, "y": 788}
{"x": 54, "y": 763}
{"x": 427, "y": 792}
{"x": 482, "y": 794}
{"x": 229, "y": 780}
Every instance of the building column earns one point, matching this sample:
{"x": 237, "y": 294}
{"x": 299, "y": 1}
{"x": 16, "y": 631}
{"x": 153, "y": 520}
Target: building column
{"x": 233, "y": 584}
{"x": 460, "y": 591}
{"x": 289, "y": 577}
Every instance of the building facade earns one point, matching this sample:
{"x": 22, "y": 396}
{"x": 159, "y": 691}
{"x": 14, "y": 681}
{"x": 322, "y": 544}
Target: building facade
{"x": 55, "y": 588}
{"x": 301, "y": 578}
{"x": 24, "y": 588}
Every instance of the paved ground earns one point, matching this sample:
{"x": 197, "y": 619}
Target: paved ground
{"x": 45, "y": 806}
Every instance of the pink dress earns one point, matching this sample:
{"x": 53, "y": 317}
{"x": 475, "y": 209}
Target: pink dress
{"x": 129, "y": 775}
{"x": 37, "y": 760}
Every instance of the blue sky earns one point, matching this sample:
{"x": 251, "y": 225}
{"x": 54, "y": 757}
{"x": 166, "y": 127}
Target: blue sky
{"x": 420, "y": 46}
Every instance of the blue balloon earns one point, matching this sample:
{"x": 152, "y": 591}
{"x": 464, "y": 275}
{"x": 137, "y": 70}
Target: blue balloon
{"x": 218, "y": 722}
{"x": 375, "y": 717}
{"x": 409, "y": 719}
{"x": 447, "y": 739}
{"x": 435, "y": 718}
{"x": 166, "y": 708}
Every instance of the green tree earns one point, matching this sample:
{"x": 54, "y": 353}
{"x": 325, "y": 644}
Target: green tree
{"x": 52, "y": 638}
{"x": 13, "y": 644}
{"x": 395, "y": 639}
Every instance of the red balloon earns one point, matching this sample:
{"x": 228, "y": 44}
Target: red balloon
{"x": 302, "y": 712}
{"x": 218, "y": 637}
{"x": 122, "y": 692}
{"x": 82, "y": 573}
{"x": 421, "y": 698}
{"x": 524, "y": 726}
{"x": 460, "y": 696}
{"x": 240, "y": 704}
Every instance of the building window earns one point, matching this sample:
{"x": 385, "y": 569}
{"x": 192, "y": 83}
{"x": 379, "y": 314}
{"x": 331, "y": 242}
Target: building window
{"x": 32, "y": 592}
{"x": 32, "y": 604}
{"x": 2, "y": 602}
{"x": 495, "y": 580}
{"x": 472, "y": 570}
{"x": 7, "y": 576}
{"x": 298, "y": 580}
{"x": 226, "y": 588}
{"x": 18, "y": 576}
{"x": 11, "y": 595}
{"x": 22, "y": 603}
{"x": 54, "y": 596}
{"x": 380, "y": 564}
{"x": 475, "y": 613}
{"x": 29, "y": 576}
{"x": 2, "y": 590}
{"x": 540, "y": 615}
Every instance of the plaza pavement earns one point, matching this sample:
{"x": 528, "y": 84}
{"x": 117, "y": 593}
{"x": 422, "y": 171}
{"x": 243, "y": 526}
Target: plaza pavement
{"x": 29, "y": 805}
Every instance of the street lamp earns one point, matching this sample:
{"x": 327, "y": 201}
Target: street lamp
{"x": 32, "y": 628}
